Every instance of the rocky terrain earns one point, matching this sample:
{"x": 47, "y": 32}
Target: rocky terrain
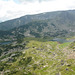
{"x": 39, "y": 58}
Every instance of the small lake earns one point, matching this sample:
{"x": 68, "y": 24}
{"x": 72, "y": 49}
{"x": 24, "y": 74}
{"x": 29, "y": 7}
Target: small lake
{"x": 62, "y": 40}
{"x": 5, "y": 43}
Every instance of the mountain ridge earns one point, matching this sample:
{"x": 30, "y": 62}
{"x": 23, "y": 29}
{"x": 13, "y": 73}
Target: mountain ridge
{"x": 51, "y": 24}
{"x": 7, "y": 25}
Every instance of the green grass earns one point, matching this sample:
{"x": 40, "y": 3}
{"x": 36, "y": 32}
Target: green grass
{"x": 63, "y": 45}
{"x": 42, "y": 58}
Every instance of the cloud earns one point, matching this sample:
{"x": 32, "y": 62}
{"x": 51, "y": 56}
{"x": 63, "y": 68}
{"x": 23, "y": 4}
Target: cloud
{"x": 10, "y": 9}
{"x": 33, "y": 0}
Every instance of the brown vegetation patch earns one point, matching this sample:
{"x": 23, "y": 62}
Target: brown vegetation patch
{"x": 71, "y": 56}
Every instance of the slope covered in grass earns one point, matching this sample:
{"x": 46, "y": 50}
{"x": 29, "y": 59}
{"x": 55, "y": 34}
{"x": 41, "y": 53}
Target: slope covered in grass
{"x": 40, "y": 58}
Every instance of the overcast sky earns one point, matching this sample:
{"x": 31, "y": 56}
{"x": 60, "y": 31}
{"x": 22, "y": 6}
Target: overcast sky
{"x": 10, "y": 9}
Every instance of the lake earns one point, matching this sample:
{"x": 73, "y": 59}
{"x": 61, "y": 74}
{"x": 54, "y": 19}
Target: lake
{"x": 5, "y": 42}
{"x": 62, "y": 40}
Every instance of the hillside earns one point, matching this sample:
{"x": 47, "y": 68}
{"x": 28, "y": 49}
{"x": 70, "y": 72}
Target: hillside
{"x": 40, "y": 58}
{"x": 51, "y": 24}
{"x": 59, "y": 18}
{"x": 38, "y": 29}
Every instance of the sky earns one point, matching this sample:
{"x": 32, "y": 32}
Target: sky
{"x": 10, "y": 9}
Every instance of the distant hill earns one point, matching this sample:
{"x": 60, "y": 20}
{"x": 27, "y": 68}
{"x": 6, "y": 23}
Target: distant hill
{"x": 51, "y": 24}
{"x": 59, "y": 17}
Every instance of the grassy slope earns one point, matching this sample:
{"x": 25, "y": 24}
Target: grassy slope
{"x": 42, "y": 58}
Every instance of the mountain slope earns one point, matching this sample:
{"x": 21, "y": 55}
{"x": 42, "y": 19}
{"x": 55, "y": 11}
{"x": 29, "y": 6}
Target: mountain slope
{"x": 39, "y": 29}
{"x": 44, "y": 28}
{"x": 40, "y": 58}
{"x": 59, "y": 17}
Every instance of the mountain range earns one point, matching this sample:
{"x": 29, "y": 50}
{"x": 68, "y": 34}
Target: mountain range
{"x": 51, "y": 24}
